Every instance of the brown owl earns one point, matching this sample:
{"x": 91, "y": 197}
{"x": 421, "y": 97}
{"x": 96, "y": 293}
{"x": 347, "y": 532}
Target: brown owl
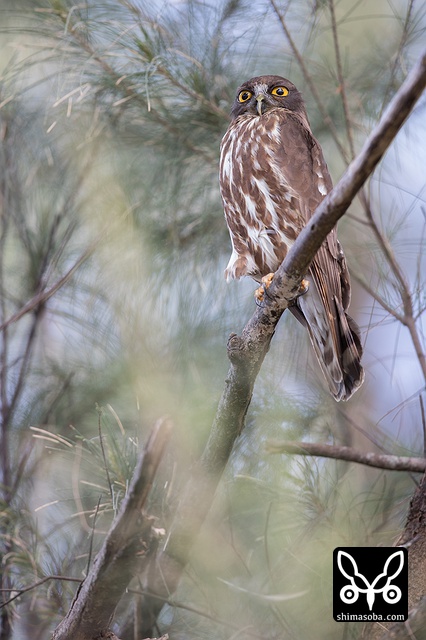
{"x": 272, "y": 177}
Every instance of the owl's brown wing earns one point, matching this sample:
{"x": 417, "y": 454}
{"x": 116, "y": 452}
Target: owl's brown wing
{"x": 334, "y": 334}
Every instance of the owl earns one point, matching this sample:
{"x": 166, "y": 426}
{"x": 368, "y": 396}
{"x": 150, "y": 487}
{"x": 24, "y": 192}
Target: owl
{"x": 272, "y": 177}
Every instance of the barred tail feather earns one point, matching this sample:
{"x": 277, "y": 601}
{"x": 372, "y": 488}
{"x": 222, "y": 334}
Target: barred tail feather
{"x": 336, "y": 341}
{"x": 351, "y": 350}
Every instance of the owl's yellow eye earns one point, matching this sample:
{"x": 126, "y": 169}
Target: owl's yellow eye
{"x": 281, "y": 92}
{"x": 243, "y": 96}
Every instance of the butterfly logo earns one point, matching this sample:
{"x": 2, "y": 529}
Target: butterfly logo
{"x": 359, "y": 583}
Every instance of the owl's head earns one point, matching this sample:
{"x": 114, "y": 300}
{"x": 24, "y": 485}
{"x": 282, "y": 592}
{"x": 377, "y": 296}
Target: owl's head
{"x": 259, "y": 95}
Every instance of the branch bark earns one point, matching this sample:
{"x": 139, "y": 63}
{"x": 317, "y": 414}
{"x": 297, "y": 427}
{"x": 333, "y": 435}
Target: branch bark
{"x": 247, "y": 352}
{"x": 126, "y": 550}
{"x": 380, "y": 461}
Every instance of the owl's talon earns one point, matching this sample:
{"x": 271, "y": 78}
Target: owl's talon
{"x": 259, "y": 294}
{"x": 303, "y": 287}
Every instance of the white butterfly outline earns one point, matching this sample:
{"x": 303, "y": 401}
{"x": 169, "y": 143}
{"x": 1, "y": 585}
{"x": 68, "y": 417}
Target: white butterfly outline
{"x": 370, "y": 589}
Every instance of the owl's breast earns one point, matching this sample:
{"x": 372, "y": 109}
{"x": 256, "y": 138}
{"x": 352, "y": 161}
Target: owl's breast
{"x": 261, "y": 207}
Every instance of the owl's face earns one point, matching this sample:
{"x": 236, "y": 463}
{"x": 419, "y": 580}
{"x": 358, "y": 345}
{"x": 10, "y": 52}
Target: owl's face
{"x": 259, "y": 95}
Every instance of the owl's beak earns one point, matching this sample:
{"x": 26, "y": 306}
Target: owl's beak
{"x": 260, "y": 98}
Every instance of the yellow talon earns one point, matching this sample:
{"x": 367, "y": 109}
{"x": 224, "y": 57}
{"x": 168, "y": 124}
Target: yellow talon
{"x": 259, "y": 294}
{"x": 304, "y": 287}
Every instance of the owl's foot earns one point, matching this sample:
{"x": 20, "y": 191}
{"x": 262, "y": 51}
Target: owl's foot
{"x": 303, "y": 288}
{"x": 259, "y": 294}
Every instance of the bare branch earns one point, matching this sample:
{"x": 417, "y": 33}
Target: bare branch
{"x": 378, "y": 298}
{"x": 379, "y": 460}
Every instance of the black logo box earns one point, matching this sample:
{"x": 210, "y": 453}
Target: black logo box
{"x": 369, "y": 582}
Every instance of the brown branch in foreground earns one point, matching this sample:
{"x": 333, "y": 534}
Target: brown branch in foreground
{"x": 247, "y": 352}
{"x": 126, "y": 549}
{"x": 379, "y": 460}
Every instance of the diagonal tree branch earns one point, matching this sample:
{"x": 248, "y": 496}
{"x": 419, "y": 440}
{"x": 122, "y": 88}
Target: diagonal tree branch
{"x": 247, "y": 352}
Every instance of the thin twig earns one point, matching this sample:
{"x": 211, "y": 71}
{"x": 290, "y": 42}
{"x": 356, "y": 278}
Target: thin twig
{"x": 310, "y": 82}
{"x": 26, "y": 362}
{"x": 410, "y": 323}
{"x": 131, "y": 93}
{"x": 378, "y": 460}
{"x": 40, "y": 298}
{"x": 4, "y": 347}
{"x": 402, "y": 284}
{"x": 43, "y": 296}
{"x": 274, "y": 609}
{"x": 19, "y": 592}
{"x": 92, "y": 536}
{"x": 341, "y": 80}
{"x": 265, "y": 538}
{"x": 101, "y": 441}
{"x": 75, "y": 487}
{"x": 377, "y": 297}
{"x": 423, "y": 416}
{"x": 397, "y": 56}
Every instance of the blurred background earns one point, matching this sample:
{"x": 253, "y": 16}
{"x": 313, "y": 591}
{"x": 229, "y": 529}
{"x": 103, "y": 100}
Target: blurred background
{"x": 114, "y": 311}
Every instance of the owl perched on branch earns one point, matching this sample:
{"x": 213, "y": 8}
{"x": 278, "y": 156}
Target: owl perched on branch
{"x": 272, "y": 177}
